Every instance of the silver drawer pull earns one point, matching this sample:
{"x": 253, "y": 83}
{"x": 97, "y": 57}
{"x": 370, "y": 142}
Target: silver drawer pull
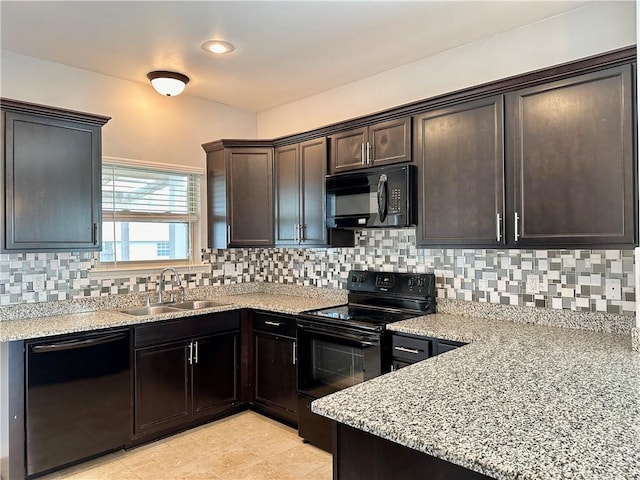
{"x": 273, "y": 324}
{"x": 407, "y": 350}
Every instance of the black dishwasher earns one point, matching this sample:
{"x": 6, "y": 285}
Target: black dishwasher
{"x": 77, "y": 398}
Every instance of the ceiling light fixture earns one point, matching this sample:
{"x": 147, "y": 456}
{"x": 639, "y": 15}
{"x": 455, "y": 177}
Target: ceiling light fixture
{"x": 219, "y": 47}
{"x": 168, "y": 83}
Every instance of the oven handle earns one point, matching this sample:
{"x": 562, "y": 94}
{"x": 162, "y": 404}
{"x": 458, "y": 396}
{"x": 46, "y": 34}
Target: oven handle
{"x": 364, "y": 339}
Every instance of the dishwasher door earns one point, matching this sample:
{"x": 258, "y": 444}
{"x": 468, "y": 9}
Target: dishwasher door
{"x": 77, "y": 398}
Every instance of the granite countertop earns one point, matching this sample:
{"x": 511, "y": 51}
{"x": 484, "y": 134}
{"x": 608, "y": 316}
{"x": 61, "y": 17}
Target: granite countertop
{"x": 521, "y": 401}
{"x": 44, "y": 326}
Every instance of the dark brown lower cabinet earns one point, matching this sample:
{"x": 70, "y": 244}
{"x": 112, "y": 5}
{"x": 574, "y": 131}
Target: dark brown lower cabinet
{"x": 215, "y": 373}
{"x": 161, "y": 386}
{"x": 179, "y": 381}
{"x": 358, "y": 455}
{"x": 408, "y": 349}
{"x": 275, "y": 384}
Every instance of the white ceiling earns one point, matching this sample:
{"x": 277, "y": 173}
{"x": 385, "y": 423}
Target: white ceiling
{"x": 285, "y": 51}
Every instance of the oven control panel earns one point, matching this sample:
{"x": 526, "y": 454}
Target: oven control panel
{"x": 422, "y": 284}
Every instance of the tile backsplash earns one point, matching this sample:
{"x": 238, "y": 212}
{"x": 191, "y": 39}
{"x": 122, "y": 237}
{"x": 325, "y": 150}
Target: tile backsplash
{"x": 580, "y": 280}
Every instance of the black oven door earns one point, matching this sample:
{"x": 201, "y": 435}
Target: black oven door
{"x": 331, "y": 358}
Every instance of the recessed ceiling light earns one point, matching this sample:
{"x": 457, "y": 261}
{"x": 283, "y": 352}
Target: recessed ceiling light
{"x": 219, "y": 47}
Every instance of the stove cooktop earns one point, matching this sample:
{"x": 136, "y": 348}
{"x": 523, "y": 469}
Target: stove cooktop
{"x": 359, "y": 315}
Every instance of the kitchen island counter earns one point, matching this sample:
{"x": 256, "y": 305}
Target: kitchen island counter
{"x": 521, "y": 401}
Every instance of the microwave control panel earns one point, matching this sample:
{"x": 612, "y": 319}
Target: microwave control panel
{"x": 395, "y": 202}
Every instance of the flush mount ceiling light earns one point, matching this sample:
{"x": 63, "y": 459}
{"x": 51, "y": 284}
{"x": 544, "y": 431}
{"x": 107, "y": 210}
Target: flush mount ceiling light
{"x": 219, "y": 47}
{"x": 168, "y": 83}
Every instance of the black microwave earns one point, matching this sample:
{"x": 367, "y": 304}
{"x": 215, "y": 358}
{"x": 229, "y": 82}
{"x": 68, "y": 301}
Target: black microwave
{"x": 376, "y": 197}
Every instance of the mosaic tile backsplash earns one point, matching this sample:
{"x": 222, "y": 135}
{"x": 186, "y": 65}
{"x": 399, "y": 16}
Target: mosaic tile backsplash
{"x": 579, "y": 280}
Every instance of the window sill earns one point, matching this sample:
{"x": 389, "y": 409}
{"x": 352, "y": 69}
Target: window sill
{"x": 106, "y": 273}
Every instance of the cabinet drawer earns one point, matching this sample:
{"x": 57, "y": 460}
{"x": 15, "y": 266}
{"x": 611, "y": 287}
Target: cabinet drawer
{"x": 276, "y": 324}
{"x": 443, "y": 346}
{"x": 182, "y": 328}
{"x": 410, "y": 349}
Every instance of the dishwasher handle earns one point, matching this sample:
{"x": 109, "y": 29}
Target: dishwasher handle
{"x": 73, "y": 344}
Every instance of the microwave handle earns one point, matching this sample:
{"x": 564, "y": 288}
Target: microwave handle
{"x": 382, "y": 197}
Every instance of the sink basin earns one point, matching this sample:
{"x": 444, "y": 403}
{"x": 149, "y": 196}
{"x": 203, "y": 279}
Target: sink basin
{"x": 151, "y": 310}
{"x": 197, "y": 304}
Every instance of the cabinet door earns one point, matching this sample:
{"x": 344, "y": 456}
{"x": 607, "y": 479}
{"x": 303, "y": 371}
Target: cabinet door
{"x": 275, "y": 382}
{"x": 161, "y": 387}
{"x": 287, "y": 194}
{"x": 215, "y": 373}
{"x": 250, "y": 196}
{"x": 52, "y": 178}
{"x": 460, "y": 155}
{"x": 573, "y": 162}
{"x": 389, "y": 142}
{"x": 313, "y": 168}
{"x": 348, "y": 150}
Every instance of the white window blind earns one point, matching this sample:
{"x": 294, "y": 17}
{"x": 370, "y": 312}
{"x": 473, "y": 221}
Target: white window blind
{"x": 148, "y": 214}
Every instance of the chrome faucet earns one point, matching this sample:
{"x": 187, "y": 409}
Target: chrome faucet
{"x": 178, "y": 282}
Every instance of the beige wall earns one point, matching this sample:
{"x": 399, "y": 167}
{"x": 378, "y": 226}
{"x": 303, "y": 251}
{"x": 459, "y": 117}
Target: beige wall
{"x": 144, "y": 124}
{"x": 596, "y": 28}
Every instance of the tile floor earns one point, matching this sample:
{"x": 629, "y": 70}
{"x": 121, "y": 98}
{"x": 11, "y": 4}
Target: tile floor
{"x": 242, "y": 447}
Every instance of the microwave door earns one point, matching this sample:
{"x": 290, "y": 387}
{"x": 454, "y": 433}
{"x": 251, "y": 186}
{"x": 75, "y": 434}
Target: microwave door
{"x": 351, "y": 201}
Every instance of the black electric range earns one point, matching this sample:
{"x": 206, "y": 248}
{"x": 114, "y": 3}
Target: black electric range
{"x": 348, "y": 344}
{"x": 378, "y": 298}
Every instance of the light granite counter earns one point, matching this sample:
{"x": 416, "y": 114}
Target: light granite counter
{"x": 521, "y": 401}
{"x": 273, "y": 299}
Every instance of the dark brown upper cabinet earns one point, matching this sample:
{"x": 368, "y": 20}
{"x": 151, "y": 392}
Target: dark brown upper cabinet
{"x": 239, "y": 193}
{"x": 460, "y": 156}
{"x": 51, "y": 169}
{"x": 571, "y": 162}
{"x": 378, "y": 144}
{"x": 300, "y": 171}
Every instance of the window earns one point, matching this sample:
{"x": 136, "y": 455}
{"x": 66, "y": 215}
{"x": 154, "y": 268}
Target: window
{"x": 149, "y": 215}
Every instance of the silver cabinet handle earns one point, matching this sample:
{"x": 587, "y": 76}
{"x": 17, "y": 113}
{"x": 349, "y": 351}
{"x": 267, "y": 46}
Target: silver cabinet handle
{"x": 301, "y": 230}
{"x": 196, "y": 354}
{"x": 296, "y": 233}
{"x": 273, "y": 324}
{"x": 407, "y": 350}
{"x": 190, "y": 353}
{"x": 294, "y": 353}
{"x": 498, "y": 229}
{"x": 96, "y": 233}
{"x": 516, "y": 217}
{"x": 368, "y": 153}
{"x": 228, "y": 234}
{"x": 362, "y": 161}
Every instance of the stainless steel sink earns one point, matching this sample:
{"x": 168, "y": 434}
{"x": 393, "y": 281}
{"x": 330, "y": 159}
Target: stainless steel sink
{"x": 197, "y": 304}
{"x": 150, "y": 310}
